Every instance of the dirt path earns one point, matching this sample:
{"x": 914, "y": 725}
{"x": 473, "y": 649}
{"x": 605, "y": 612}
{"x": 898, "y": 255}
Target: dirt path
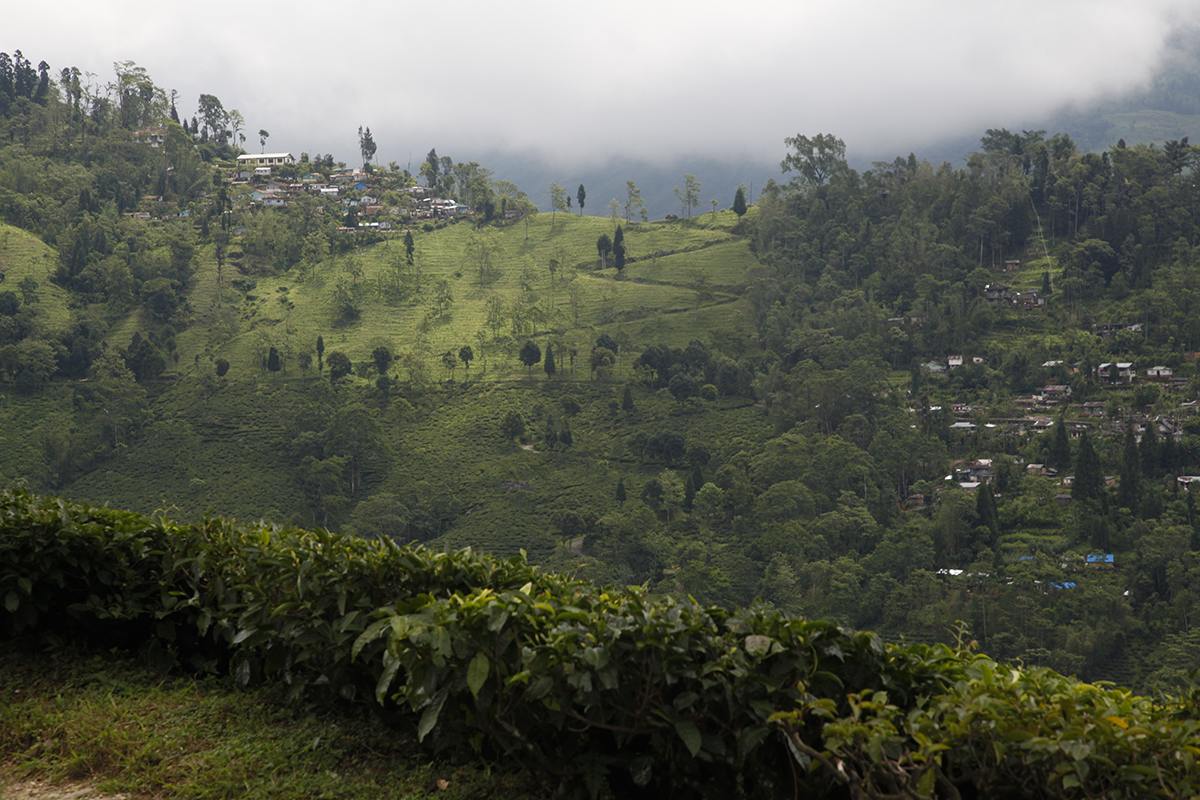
{"x": 38, "y": 790}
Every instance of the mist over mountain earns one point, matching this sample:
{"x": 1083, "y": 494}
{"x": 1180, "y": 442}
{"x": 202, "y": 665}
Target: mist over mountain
{"x": 1167, "y": 108}
{"x": 606, "y": 181}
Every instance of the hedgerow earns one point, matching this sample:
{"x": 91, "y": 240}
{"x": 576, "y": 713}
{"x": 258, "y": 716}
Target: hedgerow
{"x": 594, "y": 688}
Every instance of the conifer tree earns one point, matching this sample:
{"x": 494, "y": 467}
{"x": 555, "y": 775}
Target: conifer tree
{"x": 1149, "y": 452}
{"x": 548, "y": 364}
{"x": 985, "y": 507}
{"x": 1089, "y": 480}
{"x": 1060, "y": 445}
{"x": 739, "y": 202}
{"x": 618, "y": 248}
{"x": 1129, "y": 493}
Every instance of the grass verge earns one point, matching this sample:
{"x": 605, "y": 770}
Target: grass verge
{"x": 75, "y": 716}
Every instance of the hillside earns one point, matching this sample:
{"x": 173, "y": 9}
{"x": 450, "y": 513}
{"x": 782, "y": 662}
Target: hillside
{"x": 896, "y": 398}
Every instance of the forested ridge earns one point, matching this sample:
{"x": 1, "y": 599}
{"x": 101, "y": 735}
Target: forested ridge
{"x": 752, "y": 401}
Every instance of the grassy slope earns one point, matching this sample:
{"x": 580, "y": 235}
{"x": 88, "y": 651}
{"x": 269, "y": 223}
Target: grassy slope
{"x": 661, "y": 286}
{"x": 227, "y": 455}
{"x": 23, "y": 255}
{"x": 460, "y": 450}
{"x": 22, "y": 421}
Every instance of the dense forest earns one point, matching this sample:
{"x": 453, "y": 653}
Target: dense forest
{"x": 896, "y": 398}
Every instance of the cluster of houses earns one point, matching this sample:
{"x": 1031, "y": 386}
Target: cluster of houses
{"x": 970, "y": 475}
{"x": 938, "y": 370}
{"x": 1113, "y": 373}
{"x": 1067, "y": 563}
{"x": 355, "y": 190}
{"x": 999, "y": 295}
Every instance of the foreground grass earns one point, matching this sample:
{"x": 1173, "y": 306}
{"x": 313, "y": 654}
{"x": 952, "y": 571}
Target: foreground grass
{"x": 74, "y": 716}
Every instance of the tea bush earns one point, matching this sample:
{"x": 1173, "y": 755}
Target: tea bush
{"x": 590, "y": 687}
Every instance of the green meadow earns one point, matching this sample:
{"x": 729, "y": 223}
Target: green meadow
{"x": 675, "y": 269}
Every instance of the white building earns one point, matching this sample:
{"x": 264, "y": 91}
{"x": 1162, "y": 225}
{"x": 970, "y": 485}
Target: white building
{"x": 266, "y": 159}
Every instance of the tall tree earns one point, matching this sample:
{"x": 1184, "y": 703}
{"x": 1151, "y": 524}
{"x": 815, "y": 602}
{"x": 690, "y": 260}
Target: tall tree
{"x": 236, "y": 123}
{"x": 212, "y": 113}
{"x": 558, "y": 200}
{"x": 339, "y": 366}
{"x": 263, "y": 135}
{"x": 603, "y": 245}
{"x": 382, "y": 356}
{"x": 581, "y": 195}
{"x": 1060, "y": 445}
{"x": 353, "y": 435}
{"x": 366, "y": 145}
{"x": 689, "y": 195}
{"x": 618, "y": 249}
{"x": 430, "y": 168}
{"x": 1149, "y": 451}
{"x": 530, "y": 354}
{"x": 549, "y": 364}
{"x": 633, "y": 200}
{"x": 1129, "y": 490}
{"x": 1089, "y": 479}
{"x": 42, "y": 92}
{"x": 816, "y": 159}
{"x": 739, "y": 201}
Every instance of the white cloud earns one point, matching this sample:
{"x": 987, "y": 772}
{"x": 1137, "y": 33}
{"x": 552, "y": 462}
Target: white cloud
{"x": 623, "y": 78}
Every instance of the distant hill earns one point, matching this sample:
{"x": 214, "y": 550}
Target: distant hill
{"x": 1169, "y": 108}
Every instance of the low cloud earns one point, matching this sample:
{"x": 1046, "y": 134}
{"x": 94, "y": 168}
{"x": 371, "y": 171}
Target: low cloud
{"x": 625, "y": 79}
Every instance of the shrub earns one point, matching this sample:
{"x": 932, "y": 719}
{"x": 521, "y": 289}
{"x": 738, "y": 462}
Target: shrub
{"x": 589, "y": 686}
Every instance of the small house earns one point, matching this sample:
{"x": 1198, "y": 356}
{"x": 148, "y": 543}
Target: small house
{"x": 997, "y": 294}
{"x": 1055, "y": 394}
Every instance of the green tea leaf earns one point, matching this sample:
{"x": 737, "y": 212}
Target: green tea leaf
{"x": 477, "y": 673}
{"x": 690, "y": 735}
{"x": 430, "y": 717}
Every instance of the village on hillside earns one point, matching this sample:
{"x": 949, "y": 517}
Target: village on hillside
{"x": 371, "y": 199}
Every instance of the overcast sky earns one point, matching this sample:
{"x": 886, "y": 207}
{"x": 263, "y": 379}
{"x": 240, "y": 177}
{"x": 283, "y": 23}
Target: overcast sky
{"x": 643, "y": 80}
